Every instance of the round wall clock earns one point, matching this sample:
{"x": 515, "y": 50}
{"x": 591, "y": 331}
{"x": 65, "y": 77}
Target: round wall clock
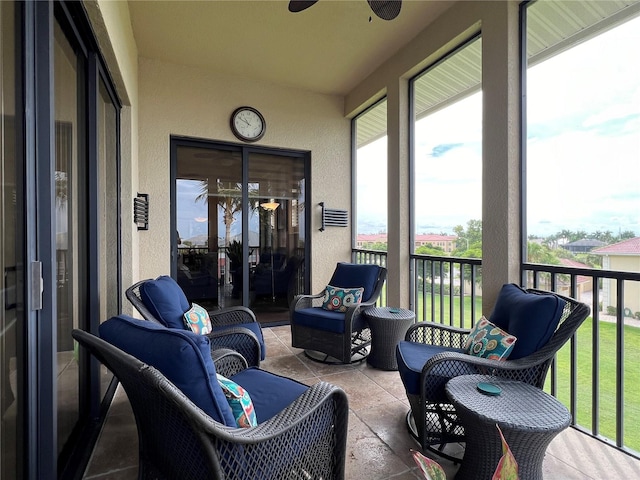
{"x": 248, "y": 124}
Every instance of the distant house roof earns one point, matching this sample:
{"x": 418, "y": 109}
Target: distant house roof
{"x": 372, "y": 237}
{"x": 430, "y": 237}
{"x": 626, "y": 247}
{"x": 572, "y": 263}
{"x": 424, "y": 237}
{"x": 585, "y": 242}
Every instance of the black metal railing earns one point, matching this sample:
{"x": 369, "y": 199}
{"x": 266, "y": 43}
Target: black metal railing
{"x": 446, "y": 289}
{"x": 596, "y": 374}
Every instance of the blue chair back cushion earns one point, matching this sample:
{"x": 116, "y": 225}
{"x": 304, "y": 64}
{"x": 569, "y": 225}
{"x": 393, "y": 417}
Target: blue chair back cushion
{"x": 254, "y": 327}
{"x": 530, "y": 317}
{"x": 412, "y": 356}
{"x": 327, "y": 320}
{"x": 349, "y": 275}
{"x": 270, "y": 393}
{"x": 165, "y": 300}
{"x": 182, "y": 356}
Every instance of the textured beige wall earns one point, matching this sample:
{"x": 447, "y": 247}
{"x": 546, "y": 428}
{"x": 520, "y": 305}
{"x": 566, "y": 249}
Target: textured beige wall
{"x": 111, "y": 23}
{"x": 185, "y": 101}
{"x": 179, "y": 100}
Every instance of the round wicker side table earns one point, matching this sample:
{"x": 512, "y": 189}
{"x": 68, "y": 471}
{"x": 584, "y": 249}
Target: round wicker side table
{"x": 388, "y": 327}
{"x": 528, "y": 417}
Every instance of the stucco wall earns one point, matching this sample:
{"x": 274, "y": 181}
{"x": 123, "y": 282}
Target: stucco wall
{"x": 112, "y": 26}
{"x": 179, "y": 100}
{"x": 622, "y": 263}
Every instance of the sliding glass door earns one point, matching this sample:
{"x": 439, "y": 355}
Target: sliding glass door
{"x": 59, "y": 236}
{"x": 277, "y": 232}
{"x": 11, "y": 257}
{"x": 240, "y": 218}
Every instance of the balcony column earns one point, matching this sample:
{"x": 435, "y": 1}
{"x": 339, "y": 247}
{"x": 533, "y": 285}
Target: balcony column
{"x": 398, "y": 191}
{"x": 501, "y": 149}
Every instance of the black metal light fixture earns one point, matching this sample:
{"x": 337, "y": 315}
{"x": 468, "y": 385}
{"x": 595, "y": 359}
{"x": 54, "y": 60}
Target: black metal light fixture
{"x": 141, "y": 211}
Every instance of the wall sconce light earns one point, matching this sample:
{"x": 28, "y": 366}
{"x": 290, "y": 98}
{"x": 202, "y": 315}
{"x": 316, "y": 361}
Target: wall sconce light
{"x": 141, "y": 211}
{"x": 333, "y": 218}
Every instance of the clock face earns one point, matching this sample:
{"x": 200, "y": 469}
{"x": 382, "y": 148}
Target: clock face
{"x": 248, "y": 124}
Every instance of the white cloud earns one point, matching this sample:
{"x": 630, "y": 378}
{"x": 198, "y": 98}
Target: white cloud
{"x": 583, "y": 165}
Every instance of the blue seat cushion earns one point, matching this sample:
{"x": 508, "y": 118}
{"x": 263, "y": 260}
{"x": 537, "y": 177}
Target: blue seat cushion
{"x": 165, "y": 300}
{"x": 530, "y": 317}
{"x": 254, "y": 327}
{"x": 412, "y": 356}
{"x": 350, "y": 275}
{"x": 320, "y": 319}
{"x": 269, "y": 392}
{"x": 180, "y": 355}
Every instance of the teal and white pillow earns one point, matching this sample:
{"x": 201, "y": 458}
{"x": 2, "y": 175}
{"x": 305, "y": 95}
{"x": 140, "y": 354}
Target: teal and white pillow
{"x": 197, "y": 320}
{"x": 239, "y": 401}
{"x": 488, "y": 341}
{"x": 340, "y": 299}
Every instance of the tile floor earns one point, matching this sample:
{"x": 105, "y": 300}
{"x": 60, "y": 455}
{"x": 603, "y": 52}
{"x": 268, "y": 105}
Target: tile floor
{"x": 378, "y": 442}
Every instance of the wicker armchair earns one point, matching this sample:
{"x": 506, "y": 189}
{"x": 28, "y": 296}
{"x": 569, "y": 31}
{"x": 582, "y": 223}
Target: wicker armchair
{"x": 332, "y": 336}
{"x": 233, "y": 327}
{"x": 176, "y": 439}
{"x": 433, "y": 353}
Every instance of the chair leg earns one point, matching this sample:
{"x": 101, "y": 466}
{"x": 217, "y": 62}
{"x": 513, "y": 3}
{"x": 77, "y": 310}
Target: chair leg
{"x": 329, "y": 360}
{"x": 446, "y": 427}
{"x": 360, "y": 346}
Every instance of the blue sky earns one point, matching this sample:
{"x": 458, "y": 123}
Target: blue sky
{"x": 583, "y": 154}
{"x": 192, "y": 216}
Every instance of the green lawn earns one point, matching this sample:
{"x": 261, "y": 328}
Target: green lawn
{"x": 446, "y": 319}
{"x": 607, "y": 369}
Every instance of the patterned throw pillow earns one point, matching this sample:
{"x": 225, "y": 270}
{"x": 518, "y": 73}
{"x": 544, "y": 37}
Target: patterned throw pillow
{"x": 488, "y": 341}
{"x": 239, "y": 401}
{"x": 340, "y": 299}
{"x": 197, "y": 320}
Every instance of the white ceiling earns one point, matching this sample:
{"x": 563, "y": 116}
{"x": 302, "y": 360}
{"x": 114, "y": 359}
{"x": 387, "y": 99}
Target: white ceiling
{"x": 328, "y": 48}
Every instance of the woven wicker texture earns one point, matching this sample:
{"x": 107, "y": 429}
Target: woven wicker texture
{"x": 306, "y": 440}
{"x": 239, "y": 339}
{"x": 528, "y": 417}
{"x": 340, "y": 346}
{"x": 228, "y": 362}
{"x": 388, "y": 327}
{"x": 436, "y": 422}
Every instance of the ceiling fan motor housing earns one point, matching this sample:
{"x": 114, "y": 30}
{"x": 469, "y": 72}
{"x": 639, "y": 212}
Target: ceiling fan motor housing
{"x": 385, "y": 9}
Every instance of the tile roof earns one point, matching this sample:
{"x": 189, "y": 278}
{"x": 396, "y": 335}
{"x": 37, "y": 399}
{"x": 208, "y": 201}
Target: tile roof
{"x": 572, "y": 263}
{"x": 585, "y": 242}
{"x": 625, "y": 247}
{"x": 423, "y": 237}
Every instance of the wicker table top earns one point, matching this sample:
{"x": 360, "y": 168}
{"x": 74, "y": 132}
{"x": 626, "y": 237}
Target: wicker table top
{"x": 389, "y": 313}
{"x": 519, "y": 406}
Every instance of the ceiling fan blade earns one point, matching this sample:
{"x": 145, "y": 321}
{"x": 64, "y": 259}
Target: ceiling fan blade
{"x": 300, "y": 5}
{"x": 386, "y": 9}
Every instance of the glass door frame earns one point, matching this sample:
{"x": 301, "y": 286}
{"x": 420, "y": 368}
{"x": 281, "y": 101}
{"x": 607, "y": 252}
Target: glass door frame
{"x": 245, "y": 150}
{"x": 37, "y": 335}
